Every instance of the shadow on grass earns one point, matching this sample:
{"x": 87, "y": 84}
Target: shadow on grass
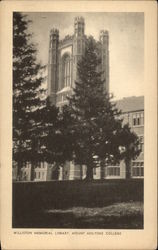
{"x": 71, "y": 219}
{"x": 78, "y": 204}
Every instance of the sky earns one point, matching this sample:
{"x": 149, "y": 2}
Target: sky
{"x": 126, "y": 43}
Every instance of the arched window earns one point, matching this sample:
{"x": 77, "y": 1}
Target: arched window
{"x": 66, "y": 71}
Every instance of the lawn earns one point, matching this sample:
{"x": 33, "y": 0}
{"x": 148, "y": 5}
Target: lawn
{"x": 125, "y": 215}
{"x": 108, "y": 204}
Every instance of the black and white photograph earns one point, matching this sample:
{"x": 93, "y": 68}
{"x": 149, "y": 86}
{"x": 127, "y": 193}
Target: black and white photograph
{"x": 78, "y": 124}
{"x": 78, "y": 120}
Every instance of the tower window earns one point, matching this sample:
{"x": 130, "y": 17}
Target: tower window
{"x": 66, "y": 71}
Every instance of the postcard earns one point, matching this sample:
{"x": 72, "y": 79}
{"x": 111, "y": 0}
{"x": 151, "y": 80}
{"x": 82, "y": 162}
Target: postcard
{"x": 78, "y": 124}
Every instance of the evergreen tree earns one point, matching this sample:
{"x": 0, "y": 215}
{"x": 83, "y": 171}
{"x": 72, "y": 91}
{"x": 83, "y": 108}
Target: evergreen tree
{"x": 96, "y": 128}
{"x": 129, "y": 147}
{"x": 54, "y": 139}
{"x": 27, "y": 93}
{"x": 59, "y": 139}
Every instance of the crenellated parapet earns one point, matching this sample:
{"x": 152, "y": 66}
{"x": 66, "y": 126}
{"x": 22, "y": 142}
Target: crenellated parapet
{"x": 79, "y": 19}
{"x": 104, "y": 33}
{"x": 66, "y": 41}
{"x": 54, "y": 37}
{"x": 79, "y": 26}
{"x": 54, "y": 32}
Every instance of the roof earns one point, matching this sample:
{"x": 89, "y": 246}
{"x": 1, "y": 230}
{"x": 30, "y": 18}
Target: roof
{"x": 131, "y": 104}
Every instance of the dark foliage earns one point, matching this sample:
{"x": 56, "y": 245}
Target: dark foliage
{"x": 27, "y": 93}
{"x": 56, "y": 140}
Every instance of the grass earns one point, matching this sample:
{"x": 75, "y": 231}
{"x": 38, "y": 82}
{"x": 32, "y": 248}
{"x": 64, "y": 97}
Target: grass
{"x": 107, "y": 204}
{"x": 118, "y": 209}
{"x": 120, "y": 215}
{"x": 123, "y": 215}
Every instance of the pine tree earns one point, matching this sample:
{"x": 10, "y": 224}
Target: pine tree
{"x": 59, "y": 140}
{"x": 55, "y": 140}
{"x": 27, "y": 93}
{"x": 129, "y": 146}
{"x": 96, "y": 125}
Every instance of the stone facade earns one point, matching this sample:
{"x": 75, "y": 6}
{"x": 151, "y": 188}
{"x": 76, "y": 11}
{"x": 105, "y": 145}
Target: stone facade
{"x": 133, "y": 114}
{"x": 64, "y": 56}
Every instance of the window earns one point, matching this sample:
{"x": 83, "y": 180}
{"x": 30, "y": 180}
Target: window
{"x": 37, "y": 175}
{"x": 66, "y": 71}
{"x": 134, "y": 121}
{"x": 141, "y": 143}
{"x": 138, "y": 169}
{"x": 142, "y": 118}
{"x": 94, "y": 171}
{"x": 113, "y": 171}
{"x": 138, "y": 119}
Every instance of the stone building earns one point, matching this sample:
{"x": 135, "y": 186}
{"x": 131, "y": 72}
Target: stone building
{"x": 64, "y": 56}
{"x": 133, "y": 114}
{"x": 62, "y": 74}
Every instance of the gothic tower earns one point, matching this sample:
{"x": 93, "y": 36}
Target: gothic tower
{"x": 53, "y": 65}
{"x": 104, "y": 41}
{"x": 78, "y": 44}
{"x": 63, "y": 59}
{"x": 62, "y": 73}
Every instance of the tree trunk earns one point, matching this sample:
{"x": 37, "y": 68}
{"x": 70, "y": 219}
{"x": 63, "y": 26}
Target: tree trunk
{"x": 32, "y": 171}
{"x": 19, "y": 161}
{"x": 102, "y": 170}
{"x": 19, "y": 167}
{"x": 89, "y": 173}
{"x": 128, "y": 168}
{"x": 55, "y": 172}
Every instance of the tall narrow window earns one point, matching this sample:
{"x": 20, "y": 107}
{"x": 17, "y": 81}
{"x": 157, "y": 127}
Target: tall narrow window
{"x": 66, "y": 65}
{"x": 141, "y": 143}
